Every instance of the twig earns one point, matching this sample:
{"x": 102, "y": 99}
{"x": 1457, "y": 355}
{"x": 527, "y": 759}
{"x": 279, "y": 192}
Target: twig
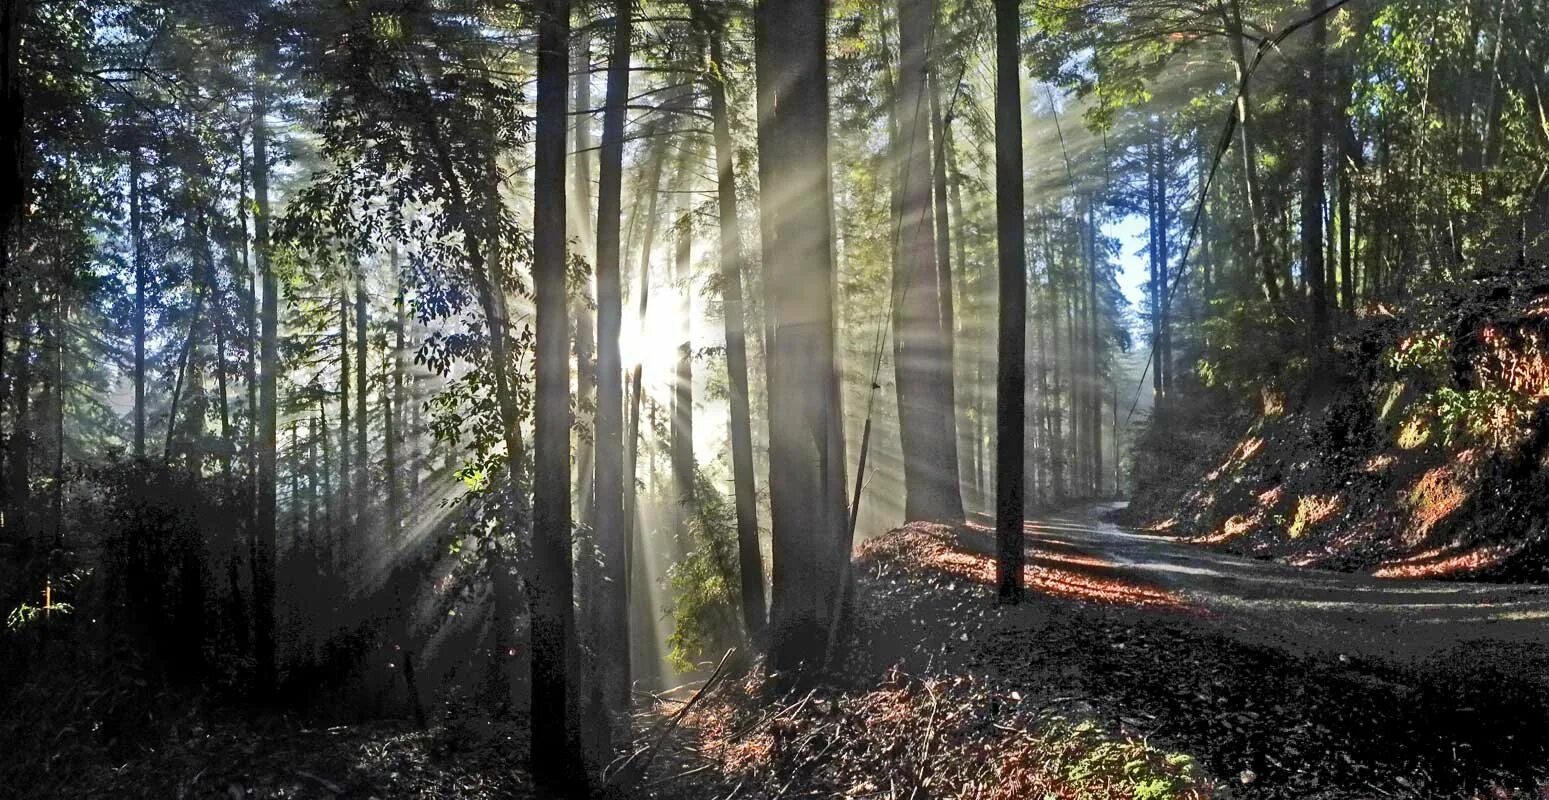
{"x": 636, "y": 773}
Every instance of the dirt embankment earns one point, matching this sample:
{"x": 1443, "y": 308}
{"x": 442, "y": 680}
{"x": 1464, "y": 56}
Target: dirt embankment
{"x": 1420, "y": 450}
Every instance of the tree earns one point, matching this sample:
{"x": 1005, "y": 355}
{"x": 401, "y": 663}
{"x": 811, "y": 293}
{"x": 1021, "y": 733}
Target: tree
{"x": 555, "y": 739}
{"x": 1312, "y": 183}
{"x": 806, "y": 452}
{"x": 750, "y": 560}
{"x": 1011, "y": 369}
{"x": 923, "y": 367}
{"x": 268, "y": 390}
{"x": 612, "y": 526}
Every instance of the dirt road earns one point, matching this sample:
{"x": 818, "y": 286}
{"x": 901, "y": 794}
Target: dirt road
{"x": 1401, "y": 622}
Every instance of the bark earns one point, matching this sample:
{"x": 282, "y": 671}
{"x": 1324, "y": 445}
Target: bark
{"x": 681, "y": 417}
{"x": 1232, "y": 17}
{"x": 750, "y": 560}
{"x": 1011, "y": 341}
{"x": 263, "y": 546}
{"x": 806, "y": 472}
{"x": 556, "y": 758}
{"x": 924, "y": 375}
{"x": 1312, "y": 184}
{"x": 943, "y": 233}
{"x": 136, "y": 234}
{"x": 392, "y": 409}
{"x": 347, "y": 494}
{"x": 14, "y": 172}
{"x": 1094, "y": 344}
{"x": 585, "y": 323}
{"x": 612, "y": 527}
{"x": 362, "y": 392}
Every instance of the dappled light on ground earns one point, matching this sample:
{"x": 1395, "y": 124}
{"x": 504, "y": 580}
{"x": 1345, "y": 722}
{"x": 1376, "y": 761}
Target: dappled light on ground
{"x": 1058, "y": 571}
{"x": 1444, "y": 561}
{"x": 957, "y": 736}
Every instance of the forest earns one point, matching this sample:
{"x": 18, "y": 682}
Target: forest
{"x": 720, "y": 399}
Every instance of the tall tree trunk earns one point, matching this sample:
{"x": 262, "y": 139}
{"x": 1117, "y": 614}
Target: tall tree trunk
{"x": 362, "y": 378}
{"x": 347, "y": 498}
{"x": 806, "y": 460}
{"x": 1232, "y": 14}
{"x": 1043, "y": 454}
{"x": 392, "y": 407}
{"x": 924, "y": 372}
{"x": 681, "y": 416}
{"x": 312, "y": 469}
{"x": 263, "y": 545}
{"x": 1056, "y": 444}
{"x": 939, "y": 124}
{"x": 750, "y": 561}
{"x": 19, "y": 442}
{"x": 251, "y": 329}
{"x": 136, "y": 234}
{"x": 14, "y": 171}
{"x": 612, "y": 527}
{"x": 1095, "y": 346}
{"x": 652, "y": 186}
{"x": 585, "y": 323}
{"x": 1011, "y": 343}
{"x": 644, "y": 645}
{"x": 555, "y": 739}
{"x": 1312, "y": 184}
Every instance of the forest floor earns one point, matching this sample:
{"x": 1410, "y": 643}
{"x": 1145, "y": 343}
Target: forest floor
{"x": 1143, "y": 668}
{"x": 1138, "y": 668}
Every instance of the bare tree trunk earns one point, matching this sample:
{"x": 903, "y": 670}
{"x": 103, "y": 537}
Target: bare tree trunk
{"x": 612, "y": 526}
{"x": 263, "y": 547}
{"x": 392, "y": 408}
{"x": 1011, "y": 343}
{"x": 750, "y": 561}
{"x": 806, "y": 472}
{"x": 1312, "y": 184}
{"x": 362, "y": 392}
{"x": 136, "y": 233}
{"x": 939, "y": 124}
{"x": 347, "y": 499}
{"x": 681, "y": 416}
{"x": 1232, "y": 14}
{"x": 585, "y": 323}
{"x": 924, "y": 373}
{"x": 1095, "y": 347}
{"x": 556, "y": 760}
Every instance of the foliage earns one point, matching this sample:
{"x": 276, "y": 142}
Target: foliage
{"x": 1096, "y": 764}
{"x": 707, "y": 606}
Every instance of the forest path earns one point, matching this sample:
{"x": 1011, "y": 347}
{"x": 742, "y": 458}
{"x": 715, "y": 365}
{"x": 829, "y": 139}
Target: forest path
{"x": 1309, "y": 611}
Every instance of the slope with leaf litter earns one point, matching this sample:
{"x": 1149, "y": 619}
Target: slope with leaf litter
{"x": 1087, "y": 695}
{"x": 1421, "y": 449}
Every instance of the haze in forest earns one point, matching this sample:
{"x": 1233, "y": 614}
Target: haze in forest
{"x": 774, "y": 398}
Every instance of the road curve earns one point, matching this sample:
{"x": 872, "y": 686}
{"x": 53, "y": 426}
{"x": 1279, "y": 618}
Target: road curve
{"x": 1449, "y": 625}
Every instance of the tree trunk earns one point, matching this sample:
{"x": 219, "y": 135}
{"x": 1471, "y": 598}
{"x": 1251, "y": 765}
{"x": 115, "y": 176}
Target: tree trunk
{"x": 1095, "y": 346}
{"x": 136, "y": 234}
{"x": 556, "y": 758}
{"x": 750, "y": 560}
{"x": 1232, "y": 14}
{"x": 347, "y": 498}
{"x": 362, "y": 418}
{"x": 681, "y": 417}
{"x": 1011, "y": 343}
{"x": 943, "y": 233}
{"x": 392, "y": 408}
{"x": 806, "y": 460}
{"x": 585, "y": 323}
{"x": 1312, "y": 185}
{"x": 612, "y": 526}
{"x": 263, "y": 545}
{"x": 924, "y": 380}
